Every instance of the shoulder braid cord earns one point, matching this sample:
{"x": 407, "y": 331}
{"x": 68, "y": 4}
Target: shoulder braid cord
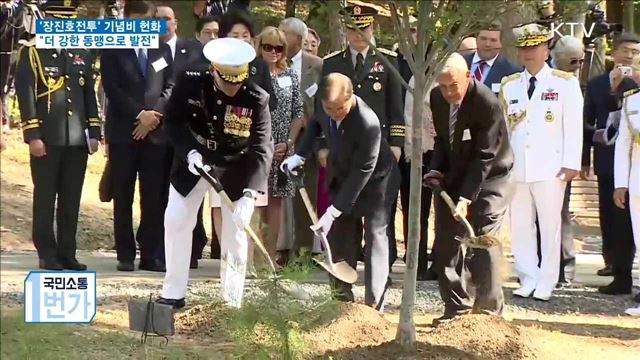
{"x": 51, "y": 84}
{"x": 634, "y": 132}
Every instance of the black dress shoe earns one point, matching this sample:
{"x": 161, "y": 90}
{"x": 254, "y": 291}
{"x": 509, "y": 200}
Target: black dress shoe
{"x": 50, "y": 264}
{"x": 174, "y": 303}
{"x": 444, "y": 319}
{"x": 193, "y": 264}
{"x": 605, "y": 271}
{"x": 125, "y": 266}
{"x": 152, "y": 265}
{"x": 74, "y": 265}
{"x": 617, "y": 287}
{"x": 428, "y": 275}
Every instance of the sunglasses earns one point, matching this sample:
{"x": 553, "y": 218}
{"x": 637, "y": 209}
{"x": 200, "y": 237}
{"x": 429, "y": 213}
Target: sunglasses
{"x": 269, "y": 48}
{"x": 576, "y": 61}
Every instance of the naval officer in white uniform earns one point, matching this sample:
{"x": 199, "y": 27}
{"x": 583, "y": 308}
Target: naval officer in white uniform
{"x": 627, "y": 168}
{"x": 543, "y": 107}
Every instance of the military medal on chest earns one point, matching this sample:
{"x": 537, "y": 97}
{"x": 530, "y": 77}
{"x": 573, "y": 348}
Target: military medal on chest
{"x": 237, "y": 121}
{"x": 548, "y": 117}
{"x": 377, "y": 86}
{"x": 549, "y": 95}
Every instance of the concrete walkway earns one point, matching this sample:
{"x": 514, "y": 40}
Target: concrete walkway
{"x": 16, "y": 265}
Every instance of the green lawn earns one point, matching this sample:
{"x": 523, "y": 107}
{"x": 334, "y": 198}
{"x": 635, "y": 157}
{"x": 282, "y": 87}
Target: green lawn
{"x": 45, "y": 341}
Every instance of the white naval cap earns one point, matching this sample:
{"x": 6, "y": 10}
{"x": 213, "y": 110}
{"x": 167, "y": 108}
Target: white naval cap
{"x": 230, "y": 58}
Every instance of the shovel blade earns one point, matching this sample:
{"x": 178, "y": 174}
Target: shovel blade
{"x": 340, "y": 270}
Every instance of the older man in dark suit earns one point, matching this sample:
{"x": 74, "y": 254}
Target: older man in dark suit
{"x": 472, "y": 160}
{"x": 600, "y": 107}
{"x": 363, "y": 181}
{"x": 487, "y": 64}
{"x": 137, "y": 83}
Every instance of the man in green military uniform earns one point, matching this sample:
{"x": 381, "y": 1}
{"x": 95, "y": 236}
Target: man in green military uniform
{"x": 55, "y": 89}
{"x": 374, "y": 82}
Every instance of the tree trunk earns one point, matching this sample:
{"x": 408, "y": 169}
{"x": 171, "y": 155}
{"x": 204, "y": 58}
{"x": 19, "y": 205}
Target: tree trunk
{"x": 290, "y": 8}
{"x": 406, "y": 334}
{"x": 628, "y": 21}
{"x": 336, "y": 27}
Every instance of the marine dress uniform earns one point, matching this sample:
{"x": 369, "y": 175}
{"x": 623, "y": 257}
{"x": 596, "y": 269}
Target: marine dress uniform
{"x": 55, "y": 89}
{"x": 627, "y": 164}
{"x": 543, "y": 111}
{"x": 232, "y": 136}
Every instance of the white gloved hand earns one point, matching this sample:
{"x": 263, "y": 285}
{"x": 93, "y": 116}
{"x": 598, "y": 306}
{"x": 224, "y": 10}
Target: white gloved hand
{"x": 291, "y": 163}
{"x": 194, "y": 159}
{"x": 243, "y": 211}
{"x": 326, "y": 221}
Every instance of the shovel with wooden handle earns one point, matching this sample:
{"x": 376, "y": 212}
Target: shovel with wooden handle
{"x": 296, "y": 291}
{"x": 340, "y": 270}
{"x": 471, "y": 240}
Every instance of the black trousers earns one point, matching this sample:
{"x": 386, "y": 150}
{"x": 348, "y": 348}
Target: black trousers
{"x": 57, "y": 187}
{"x": 345, "y": 244}
{"x": 618, "y": 248}
{"x": 405, "y": 171}
{"x": 458, "y": 267}
{"x": 151, "y": 164}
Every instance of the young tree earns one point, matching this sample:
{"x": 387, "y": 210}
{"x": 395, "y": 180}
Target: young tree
{"x": 440, "y": 26}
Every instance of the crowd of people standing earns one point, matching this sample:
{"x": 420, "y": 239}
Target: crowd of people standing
{"x": 503, "y": 140}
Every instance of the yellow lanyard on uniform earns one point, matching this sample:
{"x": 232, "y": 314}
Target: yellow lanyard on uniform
{"x": 51, "y": 84}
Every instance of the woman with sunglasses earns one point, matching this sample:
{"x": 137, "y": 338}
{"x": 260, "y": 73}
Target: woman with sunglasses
{"x": 286, "y": 122}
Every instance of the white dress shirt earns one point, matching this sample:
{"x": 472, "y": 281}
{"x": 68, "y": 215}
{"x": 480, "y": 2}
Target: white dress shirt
{"x": 296, "y": 64}
{"x": 354, "y": 55}
{"x": 488, "y": 64}
{"x": 172, "y": 44}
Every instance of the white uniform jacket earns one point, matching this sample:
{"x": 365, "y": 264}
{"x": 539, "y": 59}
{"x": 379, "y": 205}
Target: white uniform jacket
{"x": 546, "y": 130}
{"x": 627, "y": 155}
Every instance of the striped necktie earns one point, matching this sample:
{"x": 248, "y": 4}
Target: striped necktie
{"x": 479, "y": 70}
{"x": 453, "y": 119}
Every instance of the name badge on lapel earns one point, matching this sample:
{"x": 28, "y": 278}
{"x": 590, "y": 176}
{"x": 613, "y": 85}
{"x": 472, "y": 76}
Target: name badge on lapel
{"x": 284, "y": 81}
{"x": 311, "y": 90}
{"x": 159, "y": 64}
{"x": 466, "y": 135}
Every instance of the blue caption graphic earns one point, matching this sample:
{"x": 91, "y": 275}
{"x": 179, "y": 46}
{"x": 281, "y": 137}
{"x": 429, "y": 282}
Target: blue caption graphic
{"x": 60, "y": 297}
{"x": 101, "y": 26}
{"x": 99, "y": 33}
